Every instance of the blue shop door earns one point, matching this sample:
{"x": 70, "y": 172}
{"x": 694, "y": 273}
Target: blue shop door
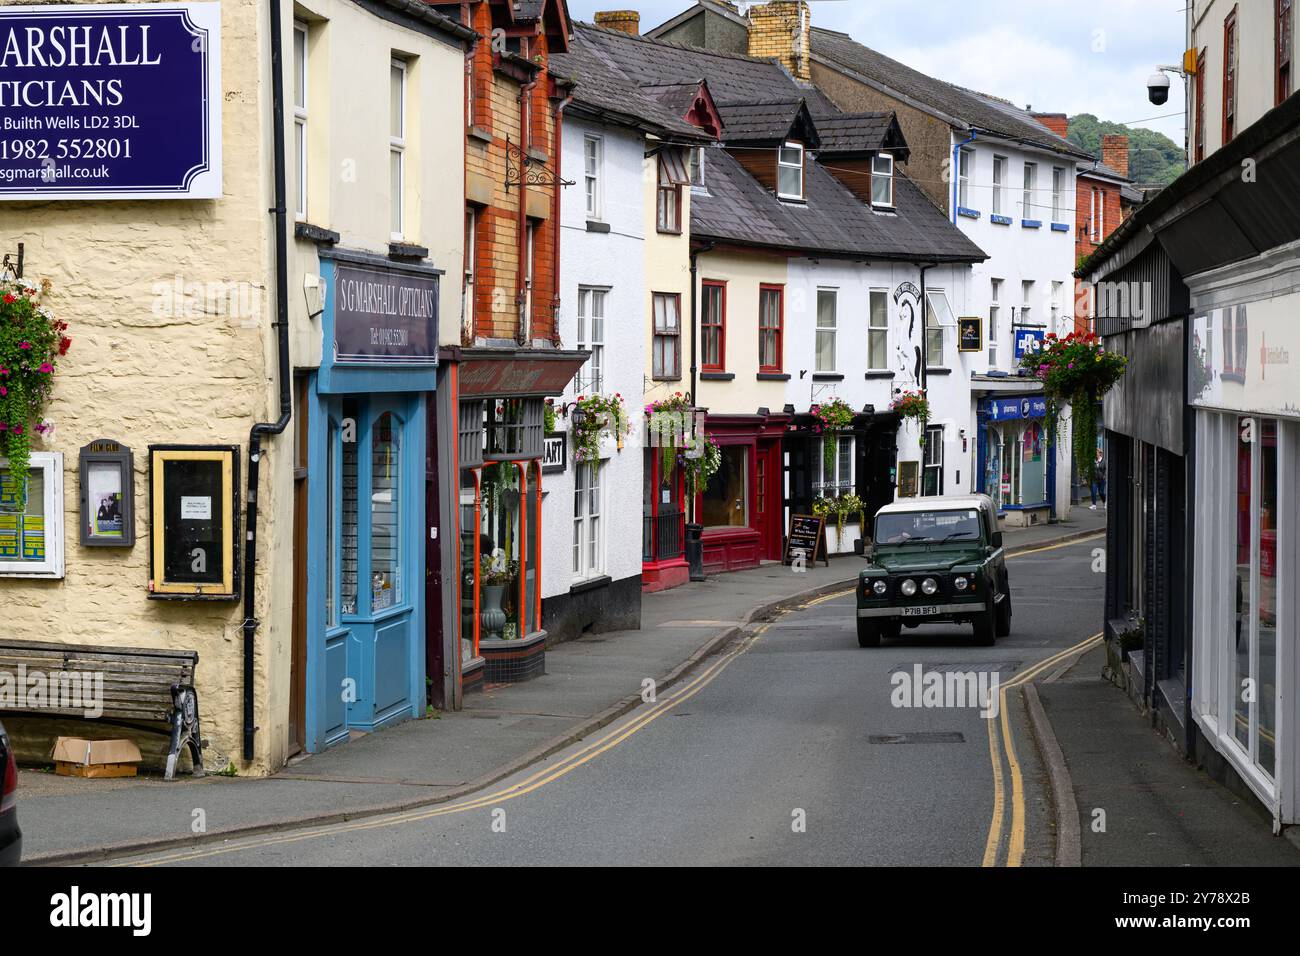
{"x": 368, "y": 515}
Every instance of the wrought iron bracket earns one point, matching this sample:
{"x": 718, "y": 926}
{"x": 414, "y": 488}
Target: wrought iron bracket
{"x": 12, "y": 264}
{"x": 523, "y": 170}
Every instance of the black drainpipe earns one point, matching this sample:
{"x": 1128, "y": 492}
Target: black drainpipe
{"x": 925, "y": 364}
{"x": 282, "y": 342}
{"x": 694, "y": 531}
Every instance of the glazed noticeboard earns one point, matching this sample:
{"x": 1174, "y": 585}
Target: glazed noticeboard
{"x": 194, "y": 514}
{"x": 107, "y": 473}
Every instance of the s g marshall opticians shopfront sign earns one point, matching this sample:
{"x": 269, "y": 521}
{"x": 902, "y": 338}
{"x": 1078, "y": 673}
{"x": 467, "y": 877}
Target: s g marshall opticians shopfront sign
{"x": 110, "y": 101}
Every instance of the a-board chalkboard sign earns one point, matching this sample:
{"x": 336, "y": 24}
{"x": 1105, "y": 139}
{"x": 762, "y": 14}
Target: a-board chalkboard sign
{"x": 807, "y": 536}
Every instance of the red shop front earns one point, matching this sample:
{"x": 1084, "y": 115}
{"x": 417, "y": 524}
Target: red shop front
{"x": 741, "y": 510}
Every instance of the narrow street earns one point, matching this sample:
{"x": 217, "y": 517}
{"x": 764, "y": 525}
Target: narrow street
{"x": 793, "y": 717}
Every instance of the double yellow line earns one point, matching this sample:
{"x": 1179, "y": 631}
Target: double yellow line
{"x": 565, "y": 766}
{"x": 997, "y": 740}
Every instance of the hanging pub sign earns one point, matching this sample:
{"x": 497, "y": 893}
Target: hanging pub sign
{"x": 383, "y": 316}
{"x": 555, "y": 453}
{"x": 110, "y": 101}
{"x": 970, "y": 334}
{"x": 194, "y": 509}
{"x": 107, "y": 495}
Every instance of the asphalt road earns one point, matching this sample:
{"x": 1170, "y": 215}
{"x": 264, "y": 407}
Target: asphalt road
{"x": 785, "y": 749}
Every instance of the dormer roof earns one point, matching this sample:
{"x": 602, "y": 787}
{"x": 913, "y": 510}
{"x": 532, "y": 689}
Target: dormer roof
{"x": 769, "y": 121}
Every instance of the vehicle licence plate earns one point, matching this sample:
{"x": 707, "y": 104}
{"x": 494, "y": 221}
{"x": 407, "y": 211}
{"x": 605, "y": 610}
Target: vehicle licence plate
{"x": 920, "y": 611}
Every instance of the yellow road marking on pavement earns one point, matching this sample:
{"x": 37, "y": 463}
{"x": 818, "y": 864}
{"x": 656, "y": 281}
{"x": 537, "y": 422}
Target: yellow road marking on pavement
{"x": 1016, "y": 837}
{"x": 536, "y": 781}
{"x": 1062, "y": 544}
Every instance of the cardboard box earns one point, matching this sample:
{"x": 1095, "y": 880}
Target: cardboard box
{"x": 75, "y": 757}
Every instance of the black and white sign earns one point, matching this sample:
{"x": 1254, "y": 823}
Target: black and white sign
{"x": 555, "y": 454}
{"x": 383, "y": 316}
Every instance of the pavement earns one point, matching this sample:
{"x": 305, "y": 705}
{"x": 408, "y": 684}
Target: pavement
{"x": 1138, "y": 803}
{"x": 589, "y": 684}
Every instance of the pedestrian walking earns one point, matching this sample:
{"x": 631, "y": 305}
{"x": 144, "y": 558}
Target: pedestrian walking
{"x": 1098, "y": 485}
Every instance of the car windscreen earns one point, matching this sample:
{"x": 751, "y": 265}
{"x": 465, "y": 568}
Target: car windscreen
{"x": 928, "y": 526}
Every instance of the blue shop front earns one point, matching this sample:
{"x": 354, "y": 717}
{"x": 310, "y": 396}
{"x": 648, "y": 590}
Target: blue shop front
{"x": 368, "y": 411}
{"x": 1017, "y": 466}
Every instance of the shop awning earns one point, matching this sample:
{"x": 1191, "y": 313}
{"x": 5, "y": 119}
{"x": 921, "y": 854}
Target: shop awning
{"x": 515, "y": 373}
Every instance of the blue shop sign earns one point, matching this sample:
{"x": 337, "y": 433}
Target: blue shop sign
{"x": 1021, "y": 406}
{"x": 1028, "y": 340}
{"x": 110, "y": 101}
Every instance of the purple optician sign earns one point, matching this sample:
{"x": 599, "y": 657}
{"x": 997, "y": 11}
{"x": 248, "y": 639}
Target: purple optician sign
{"x": 110, "y": 101}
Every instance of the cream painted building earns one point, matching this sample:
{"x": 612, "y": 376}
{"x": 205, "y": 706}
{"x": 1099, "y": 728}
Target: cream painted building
{"x": 172, "y": 306}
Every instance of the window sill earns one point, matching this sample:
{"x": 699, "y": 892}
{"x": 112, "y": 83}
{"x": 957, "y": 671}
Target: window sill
{"x": 968, "y": 213}
{"x": 881, "y": 374}
{"x": 774, "y": 376}
{"x": 668, "y": 232}
{"x": 480, "y": 134}
{"x": 717, "y": 376}
{"x": 595, "y": 225}
{"x": 938, "y": 371}
{"x": 883, "y": 207}
{"x": 591, "y": 584}
{"x": 828, "y": 376}
{"x": 1060, "y": 227}
{"x": 407, "y": 250}
{"x": 666, "y": 378}
{"x": 1030, "y": 224}
{"x": 319, "y": 234}
{"x": 792, "y": 200}
{"x": 999, "y": 220}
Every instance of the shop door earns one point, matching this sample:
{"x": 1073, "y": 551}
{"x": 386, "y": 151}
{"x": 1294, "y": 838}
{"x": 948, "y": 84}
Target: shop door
{"x": 369, "y": 507}
{"x": 767, "y": 499}
{"x": 877, "y": 461}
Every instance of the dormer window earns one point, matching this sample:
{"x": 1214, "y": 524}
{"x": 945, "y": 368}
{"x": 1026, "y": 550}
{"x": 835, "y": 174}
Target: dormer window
{"x": 882, "y": 180}
{"x": 789, "y": 171}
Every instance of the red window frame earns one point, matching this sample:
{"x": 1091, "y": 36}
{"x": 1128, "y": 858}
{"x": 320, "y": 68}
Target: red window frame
{"x": 718, "y": 322}
{"x": 1283, "y": 33}
{"x": 779, "y": 291}
{"x": 1199, "y": 147}
{"x": 1231, "y": 65}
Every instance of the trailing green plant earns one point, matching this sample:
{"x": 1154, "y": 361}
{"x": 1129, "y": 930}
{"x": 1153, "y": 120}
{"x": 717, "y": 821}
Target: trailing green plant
{"x": 841, "y": 507}
{"x": 31, "y": 343}
{"x": 832, "y": 417}
{"x": 909, "y": 404}
{"x": 700, "y": 462}
{"x": 1077, "y": 371}
{"x": 548, "y": 416}
{"x": 601, "y": 414}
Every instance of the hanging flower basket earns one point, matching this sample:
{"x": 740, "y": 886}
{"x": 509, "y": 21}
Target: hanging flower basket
{"x": 1076, "y": 371}
{"x": 700, "y": 462}
{"x": 909, "y": 404}
{"x": 833, "y": 417}
{"x": 601, "y": 414}
{"x": 31, "y": 343}
{"x": 670, "y": 425}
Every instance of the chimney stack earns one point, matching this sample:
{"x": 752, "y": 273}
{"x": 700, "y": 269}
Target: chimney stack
{"x": 780, "y": 30}
{"x": 1058, "y": 123}
{"x": 625, "y": 21}
{"x": 1114, "y": 152}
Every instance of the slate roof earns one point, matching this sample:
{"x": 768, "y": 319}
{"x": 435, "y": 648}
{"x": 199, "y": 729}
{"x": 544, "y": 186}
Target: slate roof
{"x": 609, "y": 95}
{"x": 755, "y": 98}
{"x": 862, "y": 133}
{"x": 964, "y": 108}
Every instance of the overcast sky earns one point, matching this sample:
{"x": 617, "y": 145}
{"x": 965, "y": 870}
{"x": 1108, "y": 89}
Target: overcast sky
{"x": 1058, "y": 55}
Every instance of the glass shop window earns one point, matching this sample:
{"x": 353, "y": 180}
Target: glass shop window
{"x": 726, "y": 499}
{"x": 385, "y": 513}
{"x": 31, "y": 518}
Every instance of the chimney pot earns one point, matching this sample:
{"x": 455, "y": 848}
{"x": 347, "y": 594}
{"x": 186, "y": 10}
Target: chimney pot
{"x": 780, "y": 30}
{"x": 625, "y": 21}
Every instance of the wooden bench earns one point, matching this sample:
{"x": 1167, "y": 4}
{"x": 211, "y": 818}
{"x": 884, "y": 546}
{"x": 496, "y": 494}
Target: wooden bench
{"x": 142, "y": 687}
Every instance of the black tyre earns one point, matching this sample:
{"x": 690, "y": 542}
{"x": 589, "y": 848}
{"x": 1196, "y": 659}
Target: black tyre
{"x": 868, "y": 633}
{"x": 1002, "y": 613}
{"x": 891, "y": 629}
{"x": 985, "y": 628}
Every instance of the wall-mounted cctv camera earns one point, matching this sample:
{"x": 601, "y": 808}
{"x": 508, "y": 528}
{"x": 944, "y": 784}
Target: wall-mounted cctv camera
{"x": 1158, "y": 89}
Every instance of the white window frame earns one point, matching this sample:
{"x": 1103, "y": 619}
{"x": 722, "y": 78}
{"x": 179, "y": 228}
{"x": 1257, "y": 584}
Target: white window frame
{"x": 471, "y": 262}
{"x": 995, "y": 315}
{"x": 525, "y": 320}
{"x": 51, "y": 463}
{"x": 1101, "y": 214}
{"x": 1093, "y": 231}
{"x": 882, "y": 174}
{"x": 589, "y": 541}
{"x": 782, "y": 164}
{"x": 667, "y": 331}
{"x": 1026, "y": 295}
{"x": 965, "y": 160}
{"x": 697, "y": 167}
{"x": 300, "y": 73}
{"x": 823, "y": 330}
{"x": 999, "y": 183}
{"x": 844, "y": 478}
{"x": 1057, "y": 288}
{"x": 397, "y": 149}
{"x": 591, "y": 378}
{"x": 932, "y": 457}
{"x": 1031, "y": 187}
{"x": 879, "y": 330}
{"x": 938, "y": 326}
{"x": 1058, "y": 187}
{"x": 593, "y": 159}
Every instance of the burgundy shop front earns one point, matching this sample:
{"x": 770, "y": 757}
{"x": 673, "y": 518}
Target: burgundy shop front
{"x": 741, "y": 509}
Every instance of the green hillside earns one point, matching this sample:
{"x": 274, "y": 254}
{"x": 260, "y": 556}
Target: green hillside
{"x": 1153, "y": 158}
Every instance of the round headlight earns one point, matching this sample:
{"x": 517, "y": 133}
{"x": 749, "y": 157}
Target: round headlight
{"x": 929, "y": 585}
{"x": 880, "y": 587}
{"x": 908, "y": 587}
{"x": 960, "y": 583}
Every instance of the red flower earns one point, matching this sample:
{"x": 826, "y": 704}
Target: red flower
{"x": 10, "y": 298}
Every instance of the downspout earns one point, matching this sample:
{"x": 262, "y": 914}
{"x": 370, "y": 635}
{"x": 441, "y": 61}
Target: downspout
{"x": 524, "y": 336}
{"x": 282, "y": 344}
{"x": 555, "y": 214}
{"x": 956, "y": 170}
{"x": 694, "y": 531}
{"x": 695, "y": 318}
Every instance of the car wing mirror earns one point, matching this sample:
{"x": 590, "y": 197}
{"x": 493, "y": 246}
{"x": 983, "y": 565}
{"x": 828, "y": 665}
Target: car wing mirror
{"x": 997, "y": 539}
